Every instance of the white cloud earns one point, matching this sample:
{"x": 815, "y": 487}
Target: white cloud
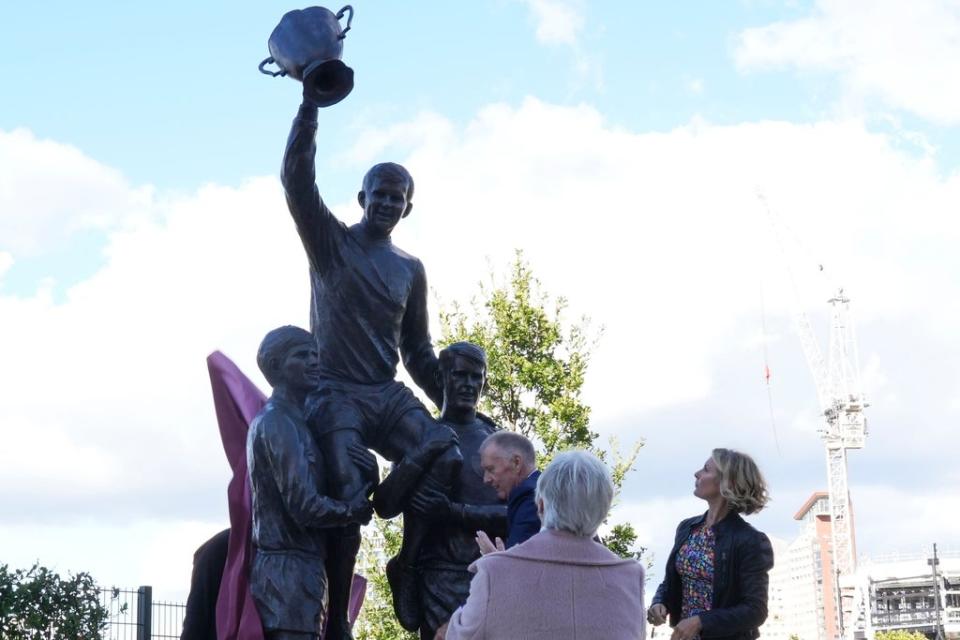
{"x": 50, "y": 191}
{"x": 151, "y": 552}
{"x": 657, "y": 236}
{"x": 557, "y": 21}
{"x": 905, "y": 53}
{"x": 922, "y": 517}
{"x": 6, "y": 261}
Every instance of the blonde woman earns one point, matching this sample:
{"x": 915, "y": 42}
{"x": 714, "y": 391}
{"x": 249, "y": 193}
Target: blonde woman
{"x": 715, "y": 585}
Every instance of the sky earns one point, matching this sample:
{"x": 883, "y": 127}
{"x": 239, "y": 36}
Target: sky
{"x": 621, "y": 145}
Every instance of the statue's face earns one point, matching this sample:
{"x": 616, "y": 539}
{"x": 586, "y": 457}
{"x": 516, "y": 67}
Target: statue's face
{"x": 463, "y": 380}
{"x": 384, "y": 202}
{"x": 300, "y": 369}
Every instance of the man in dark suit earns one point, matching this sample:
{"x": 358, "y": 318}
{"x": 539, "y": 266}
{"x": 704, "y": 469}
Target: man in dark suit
{"x": 199, "y": 623}
{"x": 509, "y": 465}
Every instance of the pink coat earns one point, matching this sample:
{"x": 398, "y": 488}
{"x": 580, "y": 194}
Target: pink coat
{"x": 554, "y": 586}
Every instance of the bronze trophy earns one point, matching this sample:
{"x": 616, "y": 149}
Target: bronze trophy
{"x": 307, "y": 46}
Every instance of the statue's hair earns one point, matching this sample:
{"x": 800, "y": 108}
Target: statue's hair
{"x": 389, "y": 171}
{"x": 275, "y": 347}
{"x": 463, "y": 349}
{"x": 512, "y": 443}
{"x": 741, "y": 483}
{"x": 577, "y": 490}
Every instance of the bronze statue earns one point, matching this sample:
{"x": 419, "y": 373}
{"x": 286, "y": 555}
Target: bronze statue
{"x": 368, "y": 309}
{"x": 291, "y": 508}
{"x": 441, "y": 581}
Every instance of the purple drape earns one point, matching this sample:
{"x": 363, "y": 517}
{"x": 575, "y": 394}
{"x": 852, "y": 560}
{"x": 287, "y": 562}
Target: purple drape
{"x": 237, "y": 402}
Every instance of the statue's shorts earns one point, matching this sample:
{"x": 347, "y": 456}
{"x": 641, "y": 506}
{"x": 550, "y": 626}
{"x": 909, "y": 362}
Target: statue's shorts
{"x": 290, "y": 590}
{"x": 373, "y": 410}
{"x": 442, "y": 590}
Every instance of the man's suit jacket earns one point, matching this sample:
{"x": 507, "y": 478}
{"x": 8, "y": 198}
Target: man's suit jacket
{"x": 555, "y": 586}
{"x": 522, "y": 518}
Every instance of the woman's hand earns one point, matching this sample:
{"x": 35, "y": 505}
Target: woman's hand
{"x": 441, "y": 632}
{"x": 687, "y": 629}
{"x": 483, "y": 541}
{"x": 657, "y": 614}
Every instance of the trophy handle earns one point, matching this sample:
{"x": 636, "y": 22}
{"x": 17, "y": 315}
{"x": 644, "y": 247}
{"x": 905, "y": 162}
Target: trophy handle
{"x": 346, "y": 9}
{"x": 270, "y": 60}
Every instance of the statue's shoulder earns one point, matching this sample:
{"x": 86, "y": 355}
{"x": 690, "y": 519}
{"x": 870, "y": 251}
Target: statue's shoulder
{"x": 407, "y": 258}
{"x": 487, "y": 422}
{"x": 275, "y": 415}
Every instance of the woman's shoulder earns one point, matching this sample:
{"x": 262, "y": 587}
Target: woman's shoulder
{"x": 746, "y": 529}
{"x": 690, "y": 522}
{"x": 757, "y": 542}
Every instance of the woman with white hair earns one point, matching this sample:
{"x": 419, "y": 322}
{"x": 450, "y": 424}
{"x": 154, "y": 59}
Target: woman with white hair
{"x": 715, "y": 584}
{"x": 560, "y": 583}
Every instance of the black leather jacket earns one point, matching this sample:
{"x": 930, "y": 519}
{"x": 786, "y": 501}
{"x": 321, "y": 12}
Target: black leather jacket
{"x": 742, "y": 558}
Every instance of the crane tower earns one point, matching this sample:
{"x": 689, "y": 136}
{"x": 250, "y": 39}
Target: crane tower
{"x": 843, "y": 427}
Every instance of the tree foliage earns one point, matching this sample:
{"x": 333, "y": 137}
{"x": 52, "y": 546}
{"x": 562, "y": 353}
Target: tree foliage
{"x": 381, "y": 540}
{"x": 537, "y": 363}
{"x": 37, "y": 604}
{"x": 900, "y": 634}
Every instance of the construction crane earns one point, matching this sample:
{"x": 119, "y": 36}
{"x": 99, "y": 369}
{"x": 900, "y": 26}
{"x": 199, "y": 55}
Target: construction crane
{"x": 844, "y": 423}
{"x": 843, "y": 427}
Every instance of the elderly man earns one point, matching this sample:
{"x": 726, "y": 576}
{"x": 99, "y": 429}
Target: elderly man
{"x": 509, "y": 465}
{"x": 288, "y": 579}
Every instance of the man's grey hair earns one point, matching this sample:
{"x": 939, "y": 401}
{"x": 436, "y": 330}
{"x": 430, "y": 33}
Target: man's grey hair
{"x": 512, "y": 443}
{"x": 576, "y": 490}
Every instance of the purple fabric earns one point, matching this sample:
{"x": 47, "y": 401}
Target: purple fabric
{"x": 237, "y": 402}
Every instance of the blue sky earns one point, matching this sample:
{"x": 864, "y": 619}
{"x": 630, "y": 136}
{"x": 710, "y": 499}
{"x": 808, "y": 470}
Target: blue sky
{"x": 165, "y": 93}
{"x": 620, "y": 144}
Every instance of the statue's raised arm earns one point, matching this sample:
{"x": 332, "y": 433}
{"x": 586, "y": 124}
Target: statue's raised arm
{"x": 317, "y": 226}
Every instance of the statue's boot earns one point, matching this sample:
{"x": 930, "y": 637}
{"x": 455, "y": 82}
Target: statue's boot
{"x": 340, "y": 564}
{"x": 405, "y": 591}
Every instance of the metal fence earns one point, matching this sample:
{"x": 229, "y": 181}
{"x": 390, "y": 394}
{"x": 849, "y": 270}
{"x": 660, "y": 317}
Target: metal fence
{"x": 135, "y": 616}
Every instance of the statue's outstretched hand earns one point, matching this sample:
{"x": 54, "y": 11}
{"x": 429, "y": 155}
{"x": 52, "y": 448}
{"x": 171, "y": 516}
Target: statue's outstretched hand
{"x": 361, "y": 509}
{"x": 430, "y": 504}
{"x": 433, "y": 448}
{"x": 365, "y": 461}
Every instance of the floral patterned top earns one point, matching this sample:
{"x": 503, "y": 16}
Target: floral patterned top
{"x": 695, "y": 565}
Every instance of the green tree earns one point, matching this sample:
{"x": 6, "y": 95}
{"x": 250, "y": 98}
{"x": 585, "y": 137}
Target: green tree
{"x": 381, "y": 540}
{"x": 537, "y": 363}
{"x": 900, "y": 634}
{"x": 37, "y": 604}
{"x": 536, "y": 367}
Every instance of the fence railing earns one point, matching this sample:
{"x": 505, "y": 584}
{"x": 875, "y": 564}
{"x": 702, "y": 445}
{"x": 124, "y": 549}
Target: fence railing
{"x": 135, "y": 616}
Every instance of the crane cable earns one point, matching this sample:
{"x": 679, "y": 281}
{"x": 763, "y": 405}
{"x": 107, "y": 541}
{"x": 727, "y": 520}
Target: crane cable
{"x": 773, "y": 220}
{"x": 766, "y": 368}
